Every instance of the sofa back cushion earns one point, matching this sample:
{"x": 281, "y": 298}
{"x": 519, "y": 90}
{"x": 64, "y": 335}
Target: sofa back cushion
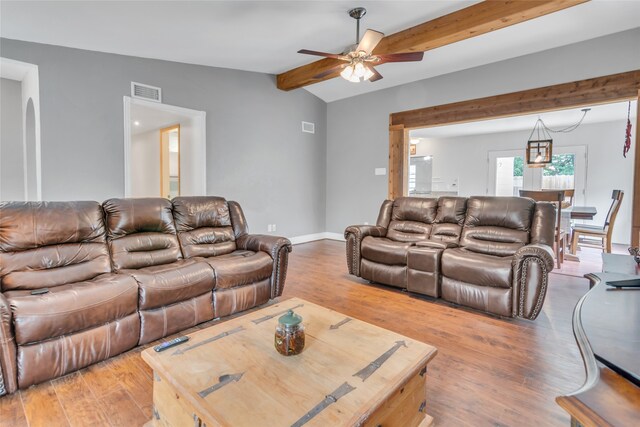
{"x": 412, "y": 219}
{"x": 48, "y": 244}
{"x": 449, "y": 219}
{"x": 497, "y": 225}
{"x": 141, "y": 232}
{"x": 204, "y": 226}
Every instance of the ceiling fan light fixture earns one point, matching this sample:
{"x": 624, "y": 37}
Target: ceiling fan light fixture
{"x": 356, "y": 72}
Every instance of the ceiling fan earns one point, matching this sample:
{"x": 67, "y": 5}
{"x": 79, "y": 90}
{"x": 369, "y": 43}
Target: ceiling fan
{"x": 359, "y": 58}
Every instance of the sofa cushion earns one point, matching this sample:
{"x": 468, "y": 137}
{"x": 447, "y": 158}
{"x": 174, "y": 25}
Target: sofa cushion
{"x": 130, "y": 216}
{"x": 166, "y": 284}
{"x": 29, "y": 225}
{"x": 446, "y": 232}
{"x": 142, "y": 250}
{"x": 416, "y": 209}
{"x": 202, "y": 211}
{"x": 385, "y": 251}
{"x": 204, "y": 226}
{"x": 141, "y": 232}
{"x": 496, "y": 241}
{"x": 47, "y": 244}
{"x": 479, "y": 269}
{"x": 73, "y": 307}
{"x": 451, "y": 210}
{"x": 506, "y": 212}
{"x": 240, "y": 268}
{"x": 408, "y": 231}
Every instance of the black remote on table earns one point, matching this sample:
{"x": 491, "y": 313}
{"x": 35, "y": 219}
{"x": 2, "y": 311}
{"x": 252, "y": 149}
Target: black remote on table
{"x": 168, "y": 344}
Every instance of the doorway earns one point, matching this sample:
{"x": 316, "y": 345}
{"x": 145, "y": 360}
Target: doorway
{"x": 567, "y": 170}
{"x": 165, "y": 150}
{"x": 20, "y": 160}
{"x": 170, "y": 162}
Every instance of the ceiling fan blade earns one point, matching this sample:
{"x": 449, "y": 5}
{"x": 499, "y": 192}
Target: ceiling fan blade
{"x": 329, "y": 71}
{"x": 369, "y": 41}
{"x": 326, "y": 55}
{"x": 376, "y": 75}
{"x": 400, "y": 57}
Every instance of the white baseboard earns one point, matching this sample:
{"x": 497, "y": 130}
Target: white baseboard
{"x": 317, "y": 236}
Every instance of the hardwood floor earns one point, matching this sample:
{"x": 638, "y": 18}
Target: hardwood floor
{"x": 488, "y": 371}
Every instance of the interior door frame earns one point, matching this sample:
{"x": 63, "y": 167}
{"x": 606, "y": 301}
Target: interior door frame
{"x": 533, "y": 176}
{"x": 600, "y": 90}
{"x": 199, "y": 119}
{"x": 163, "y": 131}
{"x": 492, "y": 157}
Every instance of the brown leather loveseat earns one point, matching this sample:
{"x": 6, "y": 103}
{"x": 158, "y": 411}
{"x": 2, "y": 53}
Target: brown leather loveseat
{"x": 120, "y": 274}
{"x": 489, "y": 253}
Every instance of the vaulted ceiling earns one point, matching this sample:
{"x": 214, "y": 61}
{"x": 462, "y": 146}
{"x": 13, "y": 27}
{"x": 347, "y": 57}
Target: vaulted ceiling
{"x": 264, "y": 36}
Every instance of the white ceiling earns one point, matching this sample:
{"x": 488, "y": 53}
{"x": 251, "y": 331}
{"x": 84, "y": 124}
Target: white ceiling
{"x": 554, "y": 120}
{"x": 264, "y": 36}
{"x": 152, "y": 119}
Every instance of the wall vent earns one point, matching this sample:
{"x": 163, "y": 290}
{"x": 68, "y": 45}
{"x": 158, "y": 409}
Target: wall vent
{"x": 142, "y": 91}
{"x": 308, "y": 127}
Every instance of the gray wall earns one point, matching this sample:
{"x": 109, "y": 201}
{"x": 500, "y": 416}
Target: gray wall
{"x": 11, "y": 146}
{"x": 358, "y": 138}
{"x": 256, "y": 152}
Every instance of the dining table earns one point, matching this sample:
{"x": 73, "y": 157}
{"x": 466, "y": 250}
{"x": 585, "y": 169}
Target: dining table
{"x": 582, "y": 212}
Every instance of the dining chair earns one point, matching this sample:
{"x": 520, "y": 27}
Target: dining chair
{"x": 598, "y": 232}
{"x": 569, "y": 194}
{"x": 567, "y": 223}
{"x": 556, "y": 197}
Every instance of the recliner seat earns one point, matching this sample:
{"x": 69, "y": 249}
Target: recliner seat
{"x": 88, "y": 313}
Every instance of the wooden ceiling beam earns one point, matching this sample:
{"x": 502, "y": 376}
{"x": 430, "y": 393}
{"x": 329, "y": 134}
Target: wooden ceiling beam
{"x": 600, "y": 90}
{"x": 472, "y": 21}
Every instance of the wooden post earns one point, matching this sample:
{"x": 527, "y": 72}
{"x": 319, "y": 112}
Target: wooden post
{"x": 635, "y": 215}
{"x": 398, "y": 161}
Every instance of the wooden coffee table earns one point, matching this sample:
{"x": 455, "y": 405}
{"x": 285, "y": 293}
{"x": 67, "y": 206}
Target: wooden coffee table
{"x": 350, "y": 373}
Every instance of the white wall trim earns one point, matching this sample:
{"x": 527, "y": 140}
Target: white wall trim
{"x": 317, "y": 236}
{"x": 199, "y": 119}
{"x": 27, "y": 74}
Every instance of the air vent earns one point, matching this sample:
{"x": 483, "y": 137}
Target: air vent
{"x": 142, "y": 91}
{"x": 308, "y": 127}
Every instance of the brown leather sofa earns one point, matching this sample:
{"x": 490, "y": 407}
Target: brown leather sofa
{"x": 489, "y": 253}
{"x": 119, "y": 275}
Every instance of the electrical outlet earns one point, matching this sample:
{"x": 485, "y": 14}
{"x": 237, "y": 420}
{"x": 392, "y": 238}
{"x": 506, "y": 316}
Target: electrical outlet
{"x": 269, "y": 228}
{"x": 273, "y": 227}
{"x": 366, "y": 223}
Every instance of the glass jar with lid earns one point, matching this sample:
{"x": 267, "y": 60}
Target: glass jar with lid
{"x": 289, "y": 337}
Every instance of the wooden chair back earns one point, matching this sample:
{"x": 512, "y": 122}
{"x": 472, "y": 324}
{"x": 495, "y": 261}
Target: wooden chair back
{"x": 616, "y": 201}
{"x": 569, "y": 194}
{"x": 554, "y": 196}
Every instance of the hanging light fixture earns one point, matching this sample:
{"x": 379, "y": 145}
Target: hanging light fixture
{"x": 539, "y": 150}
{"x": 539, "y": 147}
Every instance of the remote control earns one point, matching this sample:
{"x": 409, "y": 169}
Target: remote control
{"x": 40, "y": 291}
{"x": 168, "y": 344}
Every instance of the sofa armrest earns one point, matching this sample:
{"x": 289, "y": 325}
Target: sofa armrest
{"x": 436, "y": 244}
{"x": 278, "y": 248}
{"x": 8, "y": 370}
{"x": 354, "y": 235}
{"x": 531, "y": 267}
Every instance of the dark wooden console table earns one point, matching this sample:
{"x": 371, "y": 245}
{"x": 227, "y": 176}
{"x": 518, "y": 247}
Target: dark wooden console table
{"x": 606, "y": 324}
